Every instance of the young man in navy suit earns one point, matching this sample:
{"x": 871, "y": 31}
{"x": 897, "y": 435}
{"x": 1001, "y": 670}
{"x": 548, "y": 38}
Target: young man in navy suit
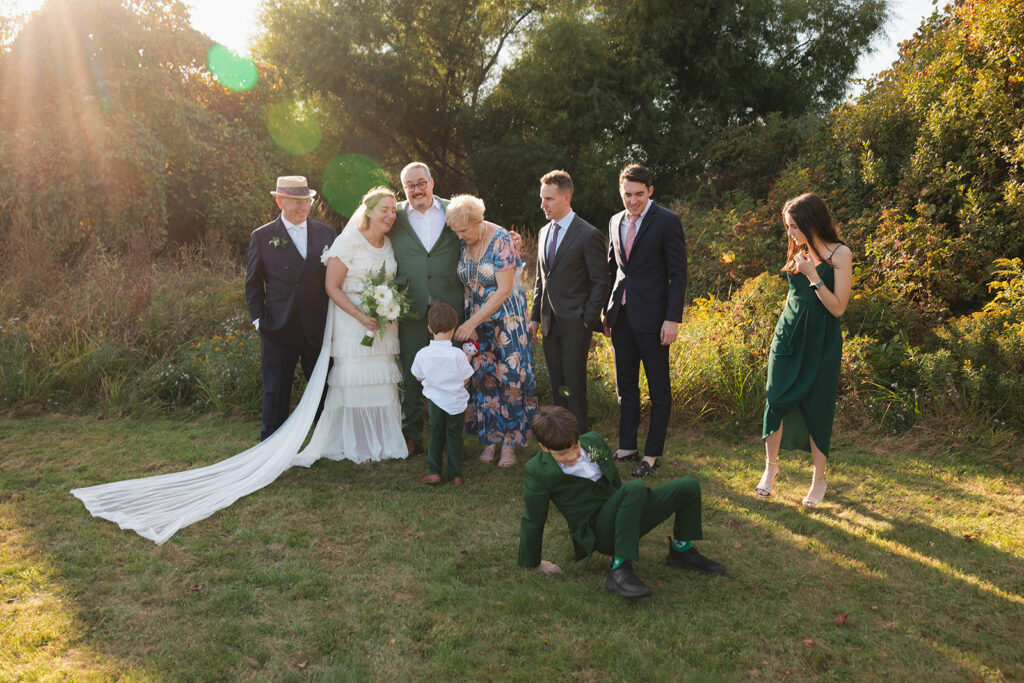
{"x": 284, "y": 290}
{"x": 647, "y": 267}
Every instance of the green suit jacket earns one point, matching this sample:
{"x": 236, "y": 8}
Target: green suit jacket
{"x": 578, "y": 499}
{"x": 431, "y": 275}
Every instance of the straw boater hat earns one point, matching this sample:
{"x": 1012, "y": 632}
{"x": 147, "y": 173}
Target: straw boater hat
{"x": 294, "y": 186}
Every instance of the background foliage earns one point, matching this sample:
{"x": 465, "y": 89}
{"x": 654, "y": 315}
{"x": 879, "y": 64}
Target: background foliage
{"x": 149, "y": 153}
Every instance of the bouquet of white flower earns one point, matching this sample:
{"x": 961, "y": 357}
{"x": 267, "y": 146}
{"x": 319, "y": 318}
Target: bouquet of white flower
{"x": 384, "y": 301}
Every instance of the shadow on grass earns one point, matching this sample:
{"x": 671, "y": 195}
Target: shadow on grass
{"x": 914, "y": 591}
{"x": 344, "y": 571}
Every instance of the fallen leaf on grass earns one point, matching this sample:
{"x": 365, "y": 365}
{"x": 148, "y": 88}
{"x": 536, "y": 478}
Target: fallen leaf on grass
{"x": 937, "y": 498}
{"x": 737, "y": 544}
{"x": 931, "y": 544}
{"x": 734, "y": 523}
{"x": 786, "y": 671}
{"x": 841, "y": 618}
{"x": 810, "y": 642}
{"x": 196, "y": 587}
{"x": 392, "y": 641}
{"x": 970, "y": 537}
{"x": 302, "y": 664}
{"x": 546, "y": 643}
{"x": 874, "y": 607}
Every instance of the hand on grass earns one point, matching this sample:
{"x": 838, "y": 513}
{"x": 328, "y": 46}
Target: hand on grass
{"x": 546, "y": 567}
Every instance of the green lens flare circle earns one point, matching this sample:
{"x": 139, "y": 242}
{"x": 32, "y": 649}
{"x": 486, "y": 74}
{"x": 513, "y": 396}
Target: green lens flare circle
{"x": 233, "y": 71}
{"x": 347, "y": 178}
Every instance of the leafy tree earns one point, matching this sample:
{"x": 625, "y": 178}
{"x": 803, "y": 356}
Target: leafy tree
{"x": 603, "y": 83}
{"x": 932, "y": 157}
{"x": 405, "y": 75}
{"x": 493, "y": 94}
{"x": 112, "y": 124}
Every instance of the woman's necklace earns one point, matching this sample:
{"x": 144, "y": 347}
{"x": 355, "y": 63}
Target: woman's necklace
{"x": 475, "y": 254}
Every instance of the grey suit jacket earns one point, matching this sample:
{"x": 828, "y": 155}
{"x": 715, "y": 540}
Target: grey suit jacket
{"x": 572, "y": 289}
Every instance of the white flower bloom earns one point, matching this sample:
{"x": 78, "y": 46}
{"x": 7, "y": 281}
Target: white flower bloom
{"x": 383, "y": 295}
{"x": 392, "y": 310}
{"x": 323, "y": 255}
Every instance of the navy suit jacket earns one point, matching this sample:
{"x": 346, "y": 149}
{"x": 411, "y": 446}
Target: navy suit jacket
{"x": 283, "y": 290}
{"x": 654, "y": 276}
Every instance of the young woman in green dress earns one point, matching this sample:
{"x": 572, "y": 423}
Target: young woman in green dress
{"x": 807, "y": 348}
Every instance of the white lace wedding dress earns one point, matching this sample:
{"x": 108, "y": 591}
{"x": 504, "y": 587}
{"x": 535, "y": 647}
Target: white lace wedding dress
{"x": 361, "y": 421}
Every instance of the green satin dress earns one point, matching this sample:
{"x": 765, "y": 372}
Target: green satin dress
{"x": 803, "y": 367}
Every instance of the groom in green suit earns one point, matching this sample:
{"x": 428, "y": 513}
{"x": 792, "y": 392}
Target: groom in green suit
{"x": 578, "y": 474}
{"x": 427, "y": 252}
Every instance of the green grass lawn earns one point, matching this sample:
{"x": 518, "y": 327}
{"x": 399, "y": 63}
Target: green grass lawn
{"x": 345, "y": 572}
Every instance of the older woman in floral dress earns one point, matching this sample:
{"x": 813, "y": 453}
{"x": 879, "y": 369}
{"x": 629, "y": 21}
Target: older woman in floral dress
{"x": 502, "y": 390}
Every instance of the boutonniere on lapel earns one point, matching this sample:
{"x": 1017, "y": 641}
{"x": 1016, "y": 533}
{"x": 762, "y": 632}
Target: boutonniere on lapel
{"x": 324, "y": 255}
{"x": 279, "y": 242}
{"x": 597, "y": 455}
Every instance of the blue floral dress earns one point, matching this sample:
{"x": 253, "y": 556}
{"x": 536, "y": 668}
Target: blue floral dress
{"x": 503, "y": 392}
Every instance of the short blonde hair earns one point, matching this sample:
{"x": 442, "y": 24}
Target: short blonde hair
{"x": 464, "y": 209}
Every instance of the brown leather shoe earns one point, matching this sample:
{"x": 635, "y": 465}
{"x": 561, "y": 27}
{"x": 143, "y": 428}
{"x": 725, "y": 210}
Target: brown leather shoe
{"x": 414, "y": 448}
{"x": 457, "y": 481}
{"x": 432, "y": 479}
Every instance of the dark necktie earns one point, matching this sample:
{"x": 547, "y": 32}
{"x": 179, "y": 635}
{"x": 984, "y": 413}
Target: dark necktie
{"x": 552, "y": 243}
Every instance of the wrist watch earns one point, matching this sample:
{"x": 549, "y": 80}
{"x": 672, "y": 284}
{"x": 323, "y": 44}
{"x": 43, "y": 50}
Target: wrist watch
{"x": 817, "y": 285}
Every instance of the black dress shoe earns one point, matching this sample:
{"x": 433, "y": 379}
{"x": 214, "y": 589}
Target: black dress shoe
{"x": 691, "y": 559}
{"x": 627, "y": 584}
{"x": 643, "y": 469}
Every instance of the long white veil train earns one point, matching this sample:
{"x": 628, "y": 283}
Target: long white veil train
{"x": 156, "y": 507}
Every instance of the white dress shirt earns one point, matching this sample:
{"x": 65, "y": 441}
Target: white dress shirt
{"x": 443, "y": 369}
{"x": 583, "y": 468}
{"x": 297, "y": 233}
{"x": 428, "y": 224}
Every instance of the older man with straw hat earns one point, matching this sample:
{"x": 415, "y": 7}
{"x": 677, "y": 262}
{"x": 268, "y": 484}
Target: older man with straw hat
{"x": 284, "y": 290}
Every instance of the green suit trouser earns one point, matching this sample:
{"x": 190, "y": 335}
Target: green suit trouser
{"x": 633, "y": 510}
{"x": 445, "y": 436}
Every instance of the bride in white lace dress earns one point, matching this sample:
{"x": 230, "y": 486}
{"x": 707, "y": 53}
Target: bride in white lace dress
{"x": 361, "y": 419}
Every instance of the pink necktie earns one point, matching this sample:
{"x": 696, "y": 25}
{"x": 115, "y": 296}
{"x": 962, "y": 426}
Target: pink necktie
{"x": 630, "y": 236}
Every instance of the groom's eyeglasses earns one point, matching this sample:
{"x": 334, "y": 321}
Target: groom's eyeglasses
{"x": 421, "y": 185}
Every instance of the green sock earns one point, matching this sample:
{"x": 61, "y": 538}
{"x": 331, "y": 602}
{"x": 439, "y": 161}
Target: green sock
{"x": 618, "y": 562}
{"x": 681, "y": 546}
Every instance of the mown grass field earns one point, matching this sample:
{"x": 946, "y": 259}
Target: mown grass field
{"x": 345, "y": 572}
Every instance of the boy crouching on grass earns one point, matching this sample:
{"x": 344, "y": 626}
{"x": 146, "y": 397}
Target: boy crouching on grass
{"x": 443, "y": 369}
{"x": 578, "y": 475}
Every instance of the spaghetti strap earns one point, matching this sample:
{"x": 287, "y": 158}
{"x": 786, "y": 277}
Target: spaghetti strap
{"x": 834, "y": 250}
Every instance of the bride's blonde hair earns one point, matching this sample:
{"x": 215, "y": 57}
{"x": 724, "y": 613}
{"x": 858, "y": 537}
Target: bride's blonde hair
{"x": 370, "y": 201}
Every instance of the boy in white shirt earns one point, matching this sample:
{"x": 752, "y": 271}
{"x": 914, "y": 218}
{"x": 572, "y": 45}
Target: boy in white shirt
{"x": 443, "y": 369}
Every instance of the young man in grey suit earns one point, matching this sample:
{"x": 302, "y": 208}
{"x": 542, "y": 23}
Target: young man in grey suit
{"x": 569, "y": 293}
